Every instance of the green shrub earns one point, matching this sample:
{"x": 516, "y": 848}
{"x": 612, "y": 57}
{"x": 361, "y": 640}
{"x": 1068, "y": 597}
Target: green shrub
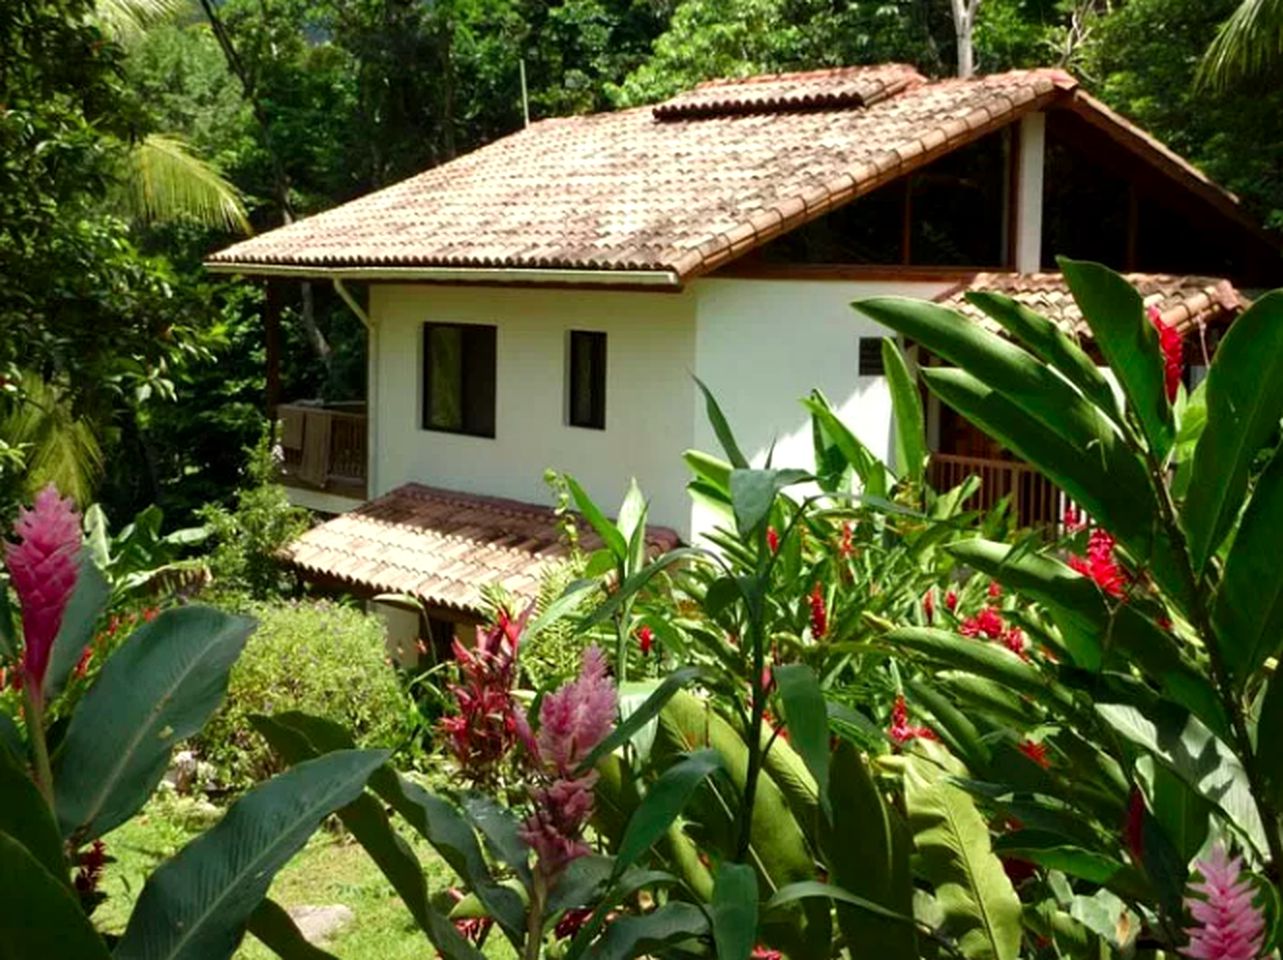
{"x": 315, "y": 656}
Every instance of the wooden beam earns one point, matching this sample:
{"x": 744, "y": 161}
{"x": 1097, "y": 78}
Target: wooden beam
{"x": 274, "y": 298}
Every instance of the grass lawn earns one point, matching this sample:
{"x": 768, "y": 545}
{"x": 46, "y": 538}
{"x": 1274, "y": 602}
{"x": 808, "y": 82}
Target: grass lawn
{"x": 330, "y": 869}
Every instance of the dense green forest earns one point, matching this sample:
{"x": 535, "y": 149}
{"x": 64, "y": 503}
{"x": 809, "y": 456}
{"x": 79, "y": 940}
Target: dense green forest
{"x": 138, "y": 135}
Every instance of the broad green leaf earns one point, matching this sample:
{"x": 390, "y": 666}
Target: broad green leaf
{"x": 608, "y": 532}
{"x": 156, "y": 690}
{"x": 980, "y": 907}
{"x": 721, "y": 428}
{"x": 665, "y": 799}
{"x": 620, "y": 891}
{"x": 11, "y": 741}
{"x": 1188, "y": 749}
{"x": 79, "y": 621}
{"x": 955, "y": 728}
{"x": 810, "y": 889}
{"x": 871, "y": 862}
{"x": 632, "y": 524}
{"x": 8, "y": 628}
{"x": 634, "y": 582}
{"x": 906, "y": 404}
{"x": 42, "y": 917}
{"x": 1129, "y": 343}
{"x": 753, "y": 493}
{"x": 364, "y": 816}
{"x": 630, "y": 725}
{"x": 195, "y": 906}
{"x": 1097, "y": 471}
{"x": 1089, "y": 626}
{"x": 734, "y": 911}
{"x": 1183, "y": 814}
{"x": 1244, "y": 404}
{"x": 276, "y": 929}
{"x": 1057, "y": 853}
{"x": 808, "y": 721}
{"x": 1248, "y": 608}
{"x": 715, "y": 471}
{"x": 874, "y": 476}
{"x": 500, "y": 829}
{"x": 25, "y": 816}
{"x": 1051, "y": 345}
{"x": 1268, "y": 729}
{"x": 649, "y": 933}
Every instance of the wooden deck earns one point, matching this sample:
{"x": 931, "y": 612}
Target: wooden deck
{"x": 325, "y": 448}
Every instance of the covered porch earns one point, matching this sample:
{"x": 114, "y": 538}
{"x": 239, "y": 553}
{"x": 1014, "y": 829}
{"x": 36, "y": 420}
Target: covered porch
{"x": 324, "y": 453}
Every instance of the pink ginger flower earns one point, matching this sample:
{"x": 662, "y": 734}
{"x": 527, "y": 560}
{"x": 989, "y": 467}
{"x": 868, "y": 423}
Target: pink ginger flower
{"x": 1172, "y": 344}
{"x": 43, "y": 566}
{"x": 1228, "y": 924}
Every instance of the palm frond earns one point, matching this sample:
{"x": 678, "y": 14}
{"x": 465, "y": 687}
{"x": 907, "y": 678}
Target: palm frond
{"x": 126, "y": 20}
{"x": 59, "y": 447}
{"x": 166, "y": 181}
{"x": 1248, "y": 43}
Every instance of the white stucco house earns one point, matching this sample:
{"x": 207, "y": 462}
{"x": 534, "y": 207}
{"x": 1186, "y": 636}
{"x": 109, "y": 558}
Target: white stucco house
{"x": 547, "y": 300}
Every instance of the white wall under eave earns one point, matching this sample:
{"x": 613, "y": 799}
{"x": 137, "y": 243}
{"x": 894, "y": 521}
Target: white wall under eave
{"x": 650, "y": 352}
{"x": 762, "y": 345}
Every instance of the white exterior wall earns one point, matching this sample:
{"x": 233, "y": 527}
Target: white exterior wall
{"x": 650, "y": 352}
{"x": 763, "y": 345}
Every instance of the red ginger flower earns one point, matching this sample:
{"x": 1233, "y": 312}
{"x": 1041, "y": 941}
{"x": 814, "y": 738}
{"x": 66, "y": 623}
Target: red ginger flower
{"x": 846, "y": 545}
{"x": 929, "y": 605}
{"x": 1134, "y": 827}
{"x": 1073, "y": 519}
{"x": 1013, "y": 639}
{"x": 1037, "y": 752}
{"x": 819, "y": 615}
{"x": 645, "y": 639}
{"x": 901, "y": 731}
{"x": 43, "y": 567}
{"x": 1228, "y": 924}
{"x": 987, "y": 623}
{"x": 1172, "y": 344}
{"x": 951, "y": 600}
{"x": 995, "y": 590}
{"x": 1100, "y": 564}
{"x": 772, "y": 540}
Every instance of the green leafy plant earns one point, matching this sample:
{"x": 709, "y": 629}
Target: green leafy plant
{"x": 67, "y": 784}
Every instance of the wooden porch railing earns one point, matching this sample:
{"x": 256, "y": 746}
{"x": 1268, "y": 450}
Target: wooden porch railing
{"x": 325, "y": 447}
{"x": 1035, "y": 501}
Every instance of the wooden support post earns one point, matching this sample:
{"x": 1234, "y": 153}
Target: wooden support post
{"x": 273, "y": 302}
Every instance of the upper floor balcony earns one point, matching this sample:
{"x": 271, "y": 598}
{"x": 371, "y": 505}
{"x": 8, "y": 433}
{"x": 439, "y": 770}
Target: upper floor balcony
{"x": 325, "y": 448}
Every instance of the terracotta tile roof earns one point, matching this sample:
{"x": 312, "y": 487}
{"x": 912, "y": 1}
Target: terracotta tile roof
{"x": 1185, "y": 302}
{"x": 629, "y": 191}
{"x": 441, "y": 546}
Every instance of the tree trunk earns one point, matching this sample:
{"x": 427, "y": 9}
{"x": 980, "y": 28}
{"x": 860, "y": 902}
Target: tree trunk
{"x": 964, "y": 23}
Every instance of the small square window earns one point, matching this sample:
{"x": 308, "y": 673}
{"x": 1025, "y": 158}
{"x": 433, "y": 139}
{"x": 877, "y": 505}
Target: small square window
{"x": 587, "y": 381}
{"x": 871, "y": 357}
{"x": 459, "y": 378}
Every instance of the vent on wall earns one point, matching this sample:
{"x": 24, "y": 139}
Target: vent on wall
{"x": 871, "y": 357}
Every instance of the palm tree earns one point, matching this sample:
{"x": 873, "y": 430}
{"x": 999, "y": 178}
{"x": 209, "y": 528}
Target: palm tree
{"x": 1248, "y": 43}
{"x": 55, "y": 445}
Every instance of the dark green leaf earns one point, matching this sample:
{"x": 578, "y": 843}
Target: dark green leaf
{"x": 26, "y": 816}
{"x": 1248, "y": 608}
{"x": 906, "y": 404}
{"x": 1244, "y": 404}
{"x": 633, "y": 583}
{"x": 500, "y": 829}
{"x": 648, "y": 934}
{"x": 156, "y": 690}
{"x": 41, "y": 916}
{"x": 1051, "y": 345}
{"x": 874, "y": 476}
{"x": 712, "y": 470}
{"x": 1055, "y": 853}
{"x": 734, "y": 911}
{"x": 1114, "y": 311}
{"x": 196, "y": 904}
{"x": 79, "y": 622}
{"x": 276, "y": 929}
{"x": 723, "y": 429}
{"x": 753, "y": 494}
{"x": 665, "y": 799}
{"x": 1268, "y": 728}
{"x": 808, "y": 889}
{"x": 871, "y": 862}
{"x": 955, "y": 728}
{"x": 808, "y": 721}
{"x": 605, "y": 529}
{"x": 8, "y": 628}
{"x": 1187, "y": 748}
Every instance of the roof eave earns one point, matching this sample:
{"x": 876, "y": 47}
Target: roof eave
{"x": 522, "y": 276}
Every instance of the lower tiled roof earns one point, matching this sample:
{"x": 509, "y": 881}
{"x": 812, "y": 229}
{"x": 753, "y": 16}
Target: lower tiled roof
{"x": 441, "y": 546}
{"x": 1183, "y": 302}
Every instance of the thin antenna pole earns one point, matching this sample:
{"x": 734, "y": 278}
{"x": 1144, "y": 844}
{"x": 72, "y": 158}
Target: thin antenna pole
{"x": 525, "y": 96}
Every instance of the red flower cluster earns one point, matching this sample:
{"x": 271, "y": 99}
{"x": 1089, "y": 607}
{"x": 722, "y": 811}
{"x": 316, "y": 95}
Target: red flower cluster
{"x": 485, "y": 728}
{"x": 1037, "y": 752}
{"x": 1073, "y": 519}
{"x": 929, "y": 605}
{"x": 1101, "y": 565}
{"x": 819, "y": 615}
{"x": 645, "y": 639}
{"x": 901, "y": 731}
{"x": 995, "y": 590}
{"x": 772, "y": 540}
{"x": 846, "y": 545}
{"x": 1173, "y": 347}
{"x": 951, "y": 600}
{"x": 987, "y": 623}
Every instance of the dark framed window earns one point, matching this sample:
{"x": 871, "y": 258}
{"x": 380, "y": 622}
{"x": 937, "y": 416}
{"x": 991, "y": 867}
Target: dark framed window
{"x": 587, "y": 381}
{"x": 871, "y": 357}
{"x": 459, "y": 378}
